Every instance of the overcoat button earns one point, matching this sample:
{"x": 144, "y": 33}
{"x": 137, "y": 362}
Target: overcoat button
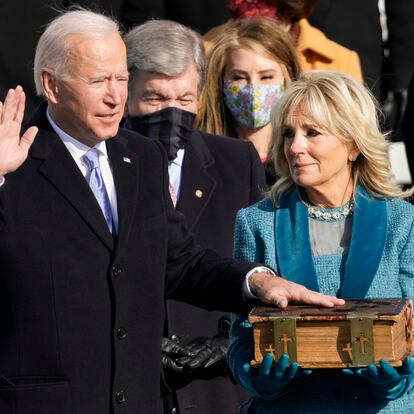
{"x": 116, "y": 270}
{"x": 199, "y": 193}
{"x": 120, "y": 397}
{"x": 121, "y": 333}
{"x": 174, "y": 411}
{"x": 175, "y": 338}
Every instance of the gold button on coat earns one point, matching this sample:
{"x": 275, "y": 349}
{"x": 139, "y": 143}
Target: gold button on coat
{"x": 199, "y": 193}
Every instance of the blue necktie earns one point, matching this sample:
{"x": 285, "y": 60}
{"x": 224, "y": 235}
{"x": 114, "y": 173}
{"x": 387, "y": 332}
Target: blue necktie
{"x": 97, "y": 185}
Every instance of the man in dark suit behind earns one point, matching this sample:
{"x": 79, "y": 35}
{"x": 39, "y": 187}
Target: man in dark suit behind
{"x": 212, "y": 178}
{"x": 90, "y": 250}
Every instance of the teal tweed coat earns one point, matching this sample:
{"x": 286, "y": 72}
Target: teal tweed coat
{"x": 379, "y": 263}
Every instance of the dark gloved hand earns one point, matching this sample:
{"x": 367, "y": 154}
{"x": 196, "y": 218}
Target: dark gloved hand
{"x": 393, "y": 107}
{"x": 172, "y": 373}
{"x": 209, "y": 357}
{"x": 202, "y": 358}
{"x": 209, "y": 360}
{"x": 386, "y": 381}
{"x": 173, "y": 348}
{"x": 269, "y": 379}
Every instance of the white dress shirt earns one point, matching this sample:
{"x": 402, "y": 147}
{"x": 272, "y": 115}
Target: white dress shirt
{"x": 78, "y": 150}
{"x": 175, "y": 169}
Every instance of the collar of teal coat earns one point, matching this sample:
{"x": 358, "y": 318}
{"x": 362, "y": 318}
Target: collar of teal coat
{"x": 293, "y": 249}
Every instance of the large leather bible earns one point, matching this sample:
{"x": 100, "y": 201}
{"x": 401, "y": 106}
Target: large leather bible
{"x": 353, "y": 335}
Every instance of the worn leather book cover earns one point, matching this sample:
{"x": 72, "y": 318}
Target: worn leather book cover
{"x": 353, "y": 335}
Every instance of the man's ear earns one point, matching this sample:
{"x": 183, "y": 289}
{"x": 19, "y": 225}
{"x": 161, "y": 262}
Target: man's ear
{"x": 50, "y": 86}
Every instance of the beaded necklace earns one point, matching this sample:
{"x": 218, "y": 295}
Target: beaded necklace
{"x": 329, "y": 214}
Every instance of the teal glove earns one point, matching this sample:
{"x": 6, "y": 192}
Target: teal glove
{"x": 385, "y": 381}
{"x": 269, "y": 379}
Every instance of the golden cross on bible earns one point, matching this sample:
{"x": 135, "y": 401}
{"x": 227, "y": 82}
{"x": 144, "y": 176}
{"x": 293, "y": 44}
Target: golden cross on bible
{"x": 271, "y": 349}
{"x": 285, "y": 339}
{"x": 362, "y": 339}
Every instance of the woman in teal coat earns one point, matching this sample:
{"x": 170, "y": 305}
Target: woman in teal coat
{"x": 336, "y": 223}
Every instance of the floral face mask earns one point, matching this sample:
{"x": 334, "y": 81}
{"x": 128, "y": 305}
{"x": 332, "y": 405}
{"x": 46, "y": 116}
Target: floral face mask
{"x": 250, "y": 105}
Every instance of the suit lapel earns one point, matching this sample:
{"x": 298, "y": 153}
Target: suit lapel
{"x": 124, "y": 167}
{"x": 197, "y": 184}
{"x": 293, "y": 249}
{"x": 60, "y": 169}
{"x": 294, "y": 253}
{"x": 369, "y": 232}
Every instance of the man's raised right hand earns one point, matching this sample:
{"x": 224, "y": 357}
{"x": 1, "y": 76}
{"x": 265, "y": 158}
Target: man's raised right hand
{"x": 13, "y": 149}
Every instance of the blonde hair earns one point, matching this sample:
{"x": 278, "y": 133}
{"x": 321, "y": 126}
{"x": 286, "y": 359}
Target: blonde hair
{"x": 339, "y": 104}
{"x": 262, "y": 35}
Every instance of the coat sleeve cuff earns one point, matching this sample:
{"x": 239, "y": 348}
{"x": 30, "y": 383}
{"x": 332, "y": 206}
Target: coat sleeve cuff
{"x": 247, "y": 293}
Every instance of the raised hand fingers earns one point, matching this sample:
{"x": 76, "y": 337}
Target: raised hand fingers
{"x": 13, "y": 106}
{"x": 21, "y": 102}
{"x": 28, "y": 138}
{"x": 9, "y": 106}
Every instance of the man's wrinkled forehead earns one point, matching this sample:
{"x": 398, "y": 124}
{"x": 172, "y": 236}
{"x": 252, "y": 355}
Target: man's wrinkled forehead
{"x": 92, "y": 51}
{"x": 187, "y": 81}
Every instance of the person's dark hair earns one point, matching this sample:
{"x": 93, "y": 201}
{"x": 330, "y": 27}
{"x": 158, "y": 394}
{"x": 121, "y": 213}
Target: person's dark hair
{"x": 294, "y": 10}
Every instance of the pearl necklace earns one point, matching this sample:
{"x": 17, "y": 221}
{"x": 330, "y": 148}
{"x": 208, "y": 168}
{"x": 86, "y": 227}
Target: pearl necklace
{"x": 329, "y": 214}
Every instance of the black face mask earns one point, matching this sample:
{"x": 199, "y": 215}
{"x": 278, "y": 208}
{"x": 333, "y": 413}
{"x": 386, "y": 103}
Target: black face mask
{"x": 171, "y": 126}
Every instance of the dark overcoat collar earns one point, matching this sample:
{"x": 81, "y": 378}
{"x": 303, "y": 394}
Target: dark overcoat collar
{"x": 197, "y": 182}
{"x": 60, "y": 169}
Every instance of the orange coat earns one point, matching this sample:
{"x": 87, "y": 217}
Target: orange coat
{"x": 316, "y": 51}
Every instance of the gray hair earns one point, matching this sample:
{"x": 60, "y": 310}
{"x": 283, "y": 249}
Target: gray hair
{"x": 164, "y": 47}
{"x": 53, "y": 48}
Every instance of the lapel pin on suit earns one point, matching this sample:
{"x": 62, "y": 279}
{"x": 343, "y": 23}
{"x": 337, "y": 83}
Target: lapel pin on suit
{"x": 199, "y": 193}
{"x": 127, "y": 160}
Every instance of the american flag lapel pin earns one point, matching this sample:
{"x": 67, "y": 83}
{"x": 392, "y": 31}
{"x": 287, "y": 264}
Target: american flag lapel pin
{"x": 127, "y": 160}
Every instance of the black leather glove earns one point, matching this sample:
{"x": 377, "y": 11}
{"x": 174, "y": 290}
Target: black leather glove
{"x": 209, "y": 354}
{"x": 202, "y": 358}
{"x": 393, "y": 107}
{"x": 173, "y": 374}
{"x": 173, "y": 348}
